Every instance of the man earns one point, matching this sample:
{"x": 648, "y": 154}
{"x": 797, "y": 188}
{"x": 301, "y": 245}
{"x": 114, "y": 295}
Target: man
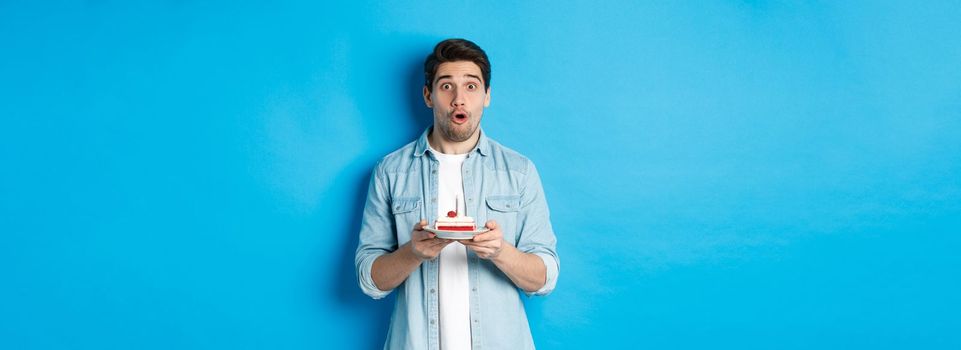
{"x": 456, "y": 294}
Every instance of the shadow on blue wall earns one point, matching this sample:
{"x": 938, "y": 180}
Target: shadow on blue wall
{"x": 355, "y": 178}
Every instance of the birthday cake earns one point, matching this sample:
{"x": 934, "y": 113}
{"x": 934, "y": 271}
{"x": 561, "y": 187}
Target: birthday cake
{"x": 454, "y": 221}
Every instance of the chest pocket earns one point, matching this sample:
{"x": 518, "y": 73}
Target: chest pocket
{"x": 503, "y": 210}
{"x": 405, "y": 205}
{"x": 406, "y": 214}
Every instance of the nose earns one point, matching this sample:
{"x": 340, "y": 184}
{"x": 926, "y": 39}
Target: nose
{"x": 458, "y": 100}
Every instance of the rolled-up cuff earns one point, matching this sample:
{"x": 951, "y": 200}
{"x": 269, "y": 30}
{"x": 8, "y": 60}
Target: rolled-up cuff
{"x": 367, "y": 281}
{"x": 551, "y": 266}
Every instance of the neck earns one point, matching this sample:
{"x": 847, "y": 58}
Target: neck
{"x": 445, "y": 146}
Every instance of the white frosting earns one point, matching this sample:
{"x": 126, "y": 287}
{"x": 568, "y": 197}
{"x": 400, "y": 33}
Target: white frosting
{"x": 456, "y": 220}
{"x": 459, "y": 221}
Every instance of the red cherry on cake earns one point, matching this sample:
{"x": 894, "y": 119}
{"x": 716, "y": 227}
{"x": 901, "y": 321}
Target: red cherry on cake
{"x": 452, "y": 214}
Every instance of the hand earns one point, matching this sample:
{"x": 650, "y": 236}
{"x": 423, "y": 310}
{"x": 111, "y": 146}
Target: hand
{"x": 424, "y": 244}
{"x": 487, "y": 245}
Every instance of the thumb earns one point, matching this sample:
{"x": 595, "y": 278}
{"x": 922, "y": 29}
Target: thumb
{"x": 491, "y": 224}
{"x": 420, "y": 225}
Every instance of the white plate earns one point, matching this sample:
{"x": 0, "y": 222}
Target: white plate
{"x": 456, "y": 234}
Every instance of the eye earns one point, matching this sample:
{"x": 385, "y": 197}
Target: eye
{"x": 472, "y": 86}
{"x": 446, "y": 86}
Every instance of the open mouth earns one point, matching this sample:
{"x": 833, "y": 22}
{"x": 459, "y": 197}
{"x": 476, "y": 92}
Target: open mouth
{"x": 459, "y": 117}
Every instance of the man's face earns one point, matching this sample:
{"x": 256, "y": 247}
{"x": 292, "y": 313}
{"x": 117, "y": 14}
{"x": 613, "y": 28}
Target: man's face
{"x": 458, "y": 99}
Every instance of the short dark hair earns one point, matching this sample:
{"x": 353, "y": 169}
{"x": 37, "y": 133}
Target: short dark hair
{"x": 451, "y": 50}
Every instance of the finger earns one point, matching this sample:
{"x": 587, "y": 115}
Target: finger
{"x": 482, "y": 250}
{"x": 482, "y": 237}
{"x": 420, "y": 225}
{"x": 492, "y": 235}
{"x": 485, "y": 244}
{"x": 421, "y": 235}
{"x": 473, "y": 245}
{"x": 438, "y": 246}
{"x": 493, "y": 231}
{"x": 419, "y": 231}
{"x": 433, "y": 241}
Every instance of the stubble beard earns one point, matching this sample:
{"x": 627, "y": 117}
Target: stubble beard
{"x": 457, "y": 133}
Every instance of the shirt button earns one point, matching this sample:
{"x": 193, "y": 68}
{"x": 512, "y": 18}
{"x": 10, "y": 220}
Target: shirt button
{"x": 432, "y": 290}
{"x": 474, "y": 289}
{"x": 433, "y": 171}
{"x": 475, "y": 321}
{"x": 433, "y": 200}
{"x": 432, "y": 321}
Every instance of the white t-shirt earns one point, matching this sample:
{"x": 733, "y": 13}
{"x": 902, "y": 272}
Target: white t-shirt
{"x": 454, "y": 287}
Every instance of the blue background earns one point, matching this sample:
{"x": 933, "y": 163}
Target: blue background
{"x": 721, "y": 174}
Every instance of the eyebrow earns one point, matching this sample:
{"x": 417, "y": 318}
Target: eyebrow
{"x": 450, "y": 77}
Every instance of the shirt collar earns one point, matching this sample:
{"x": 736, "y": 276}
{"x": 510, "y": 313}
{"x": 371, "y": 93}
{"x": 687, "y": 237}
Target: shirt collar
{"x": 483, "y": 144}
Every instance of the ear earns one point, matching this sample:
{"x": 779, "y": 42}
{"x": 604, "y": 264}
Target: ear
{"x": 427, "y": 100}
{"x": 487, "y": 99}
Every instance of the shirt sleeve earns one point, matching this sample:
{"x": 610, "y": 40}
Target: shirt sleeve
{"x": 536, "y": 234}
{"x": 376, "y": 232}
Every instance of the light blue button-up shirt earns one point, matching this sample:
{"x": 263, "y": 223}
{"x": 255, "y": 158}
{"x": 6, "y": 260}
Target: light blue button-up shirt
{"x": 499, "y": 184}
